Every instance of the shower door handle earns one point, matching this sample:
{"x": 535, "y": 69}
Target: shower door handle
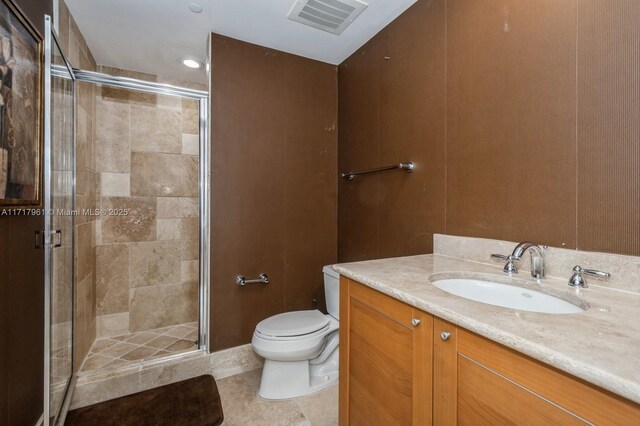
{"x": 55, "y": 239}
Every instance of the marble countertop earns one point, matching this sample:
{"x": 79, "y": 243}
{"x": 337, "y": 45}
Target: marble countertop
{"x": 600, "y": 345}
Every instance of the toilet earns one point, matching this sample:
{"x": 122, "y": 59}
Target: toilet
{"x": 300, "y": 348}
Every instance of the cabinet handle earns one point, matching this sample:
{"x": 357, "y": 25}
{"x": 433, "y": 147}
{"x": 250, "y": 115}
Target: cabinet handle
{"x": 415, "y": 322}
{"x": 445, "y": 335}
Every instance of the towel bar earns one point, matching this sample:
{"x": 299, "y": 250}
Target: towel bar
{"x": 408, "y": 166}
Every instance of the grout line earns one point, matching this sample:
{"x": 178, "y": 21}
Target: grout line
{"x": 577, "y": 168}
{"x": 284, "y": 192}
{"x": 306, "y": 417}
{"x": 378, "y": 203}
{"x": 446, "y": 124}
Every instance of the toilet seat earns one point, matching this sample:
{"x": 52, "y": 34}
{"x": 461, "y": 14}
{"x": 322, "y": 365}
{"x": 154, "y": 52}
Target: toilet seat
{"x": 293, "y": 336}
{"x": 293, "y": 325}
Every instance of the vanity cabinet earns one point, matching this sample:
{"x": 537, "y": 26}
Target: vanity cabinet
{"x": 397, "y": 371}
{"x": 385, "y": 359}
{"x": 479, "y": 382}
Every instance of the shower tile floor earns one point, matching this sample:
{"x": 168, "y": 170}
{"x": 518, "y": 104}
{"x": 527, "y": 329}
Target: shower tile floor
{"x": 129, "y": 349}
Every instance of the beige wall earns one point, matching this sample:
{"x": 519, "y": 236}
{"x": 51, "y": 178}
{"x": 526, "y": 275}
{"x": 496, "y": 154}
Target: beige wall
{"x": 147, "y": 161}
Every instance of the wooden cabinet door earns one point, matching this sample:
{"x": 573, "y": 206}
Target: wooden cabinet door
{"x": 480, "y": 382}
{"x": 385, "y": 360}
{"x": 445, "y": 373}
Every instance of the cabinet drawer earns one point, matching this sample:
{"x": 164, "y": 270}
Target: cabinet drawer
{"x": 384, "y": 304}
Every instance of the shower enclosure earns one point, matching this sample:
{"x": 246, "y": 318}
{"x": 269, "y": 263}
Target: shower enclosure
{"x": 126, "y": 183}
{"x": 147, "y": 269}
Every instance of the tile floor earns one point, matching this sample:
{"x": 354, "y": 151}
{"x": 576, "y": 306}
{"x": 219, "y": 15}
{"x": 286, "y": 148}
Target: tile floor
{"x": 242, "y": 406}
{"x": 123, "y": 351}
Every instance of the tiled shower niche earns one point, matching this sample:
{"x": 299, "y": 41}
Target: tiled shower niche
{"x": 146, "y": 153}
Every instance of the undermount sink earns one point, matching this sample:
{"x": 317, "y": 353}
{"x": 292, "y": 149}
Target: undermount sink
{"x": 507, "y": 296}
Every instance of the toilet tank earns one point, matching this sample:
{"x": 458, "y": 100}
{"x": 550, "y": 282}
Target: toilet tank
{"x": 332, "y": 291}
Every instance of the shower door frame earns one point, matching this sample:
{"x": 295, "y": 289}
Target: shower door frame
{"x": 204, "y": 172}
{"x": 51, "y": 70}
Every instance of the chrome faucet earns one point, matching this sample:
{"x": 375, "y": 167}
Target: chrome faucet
{"x": 577, "y": 280}
{"x": 537, "y": 259}
{"x": 509, "y": 267}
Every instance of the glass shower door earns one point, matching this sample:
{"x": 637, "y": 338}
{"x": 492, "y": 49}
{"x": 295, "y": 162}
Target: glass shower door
{"x": 59, "y": 207}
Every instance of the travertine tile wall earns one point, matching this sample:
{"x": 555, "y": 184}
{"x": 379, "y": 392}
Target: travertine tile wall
{"x": 147, "y": 159}
{"x": 79, "y": 55}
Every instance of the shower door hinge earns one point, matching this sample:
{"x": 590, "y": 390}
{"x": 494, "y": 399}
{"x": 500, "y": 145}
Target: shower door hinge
{"x": 55, "y": 239}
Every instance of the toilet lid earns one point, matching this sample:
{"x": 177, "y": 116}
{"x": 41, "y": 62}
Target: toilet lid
{"x": 293, "y": 323}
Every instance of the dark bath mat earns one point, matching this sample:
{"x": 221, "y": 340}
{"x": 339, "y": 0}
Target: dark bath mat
{"x": 188, "y": 403}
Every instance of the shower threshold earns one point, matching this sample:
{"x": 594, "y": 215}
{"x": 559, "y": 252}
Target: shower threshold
{"x": 122, "y": 352}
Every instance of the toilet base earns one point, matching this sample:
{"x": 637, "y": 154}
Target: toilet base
{"x": 290, "y": 379}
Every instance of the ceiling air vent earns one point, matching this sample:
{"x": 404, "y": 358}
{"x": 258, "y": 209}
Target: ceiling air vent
{"x": 327, "y": 15}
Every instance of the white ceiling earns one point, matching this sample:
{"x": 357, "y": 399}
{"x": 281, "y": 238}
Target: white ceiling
{"x": 153, "y": 35}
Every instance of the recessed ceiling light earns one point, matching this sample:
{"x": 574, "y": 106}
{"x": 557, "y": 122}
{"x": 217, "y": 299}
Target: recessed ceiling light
{"x": 195, "y": 7}
{"x": 192, "y": 63}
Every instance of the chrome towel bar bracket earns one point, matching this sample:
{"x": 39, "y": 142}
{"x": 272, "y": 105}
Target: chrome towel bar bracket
{"x": 262, "y": 279}
{"x": 408, "y": 166}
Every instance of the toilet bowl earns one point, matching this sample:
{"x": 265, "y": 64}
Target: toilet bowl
{"x": 300, "y": 348}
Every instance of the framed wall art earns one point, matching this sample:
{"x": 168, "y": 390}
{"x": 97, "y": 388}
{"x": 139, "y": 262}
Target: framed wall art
{"x": 21, "y": 141}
